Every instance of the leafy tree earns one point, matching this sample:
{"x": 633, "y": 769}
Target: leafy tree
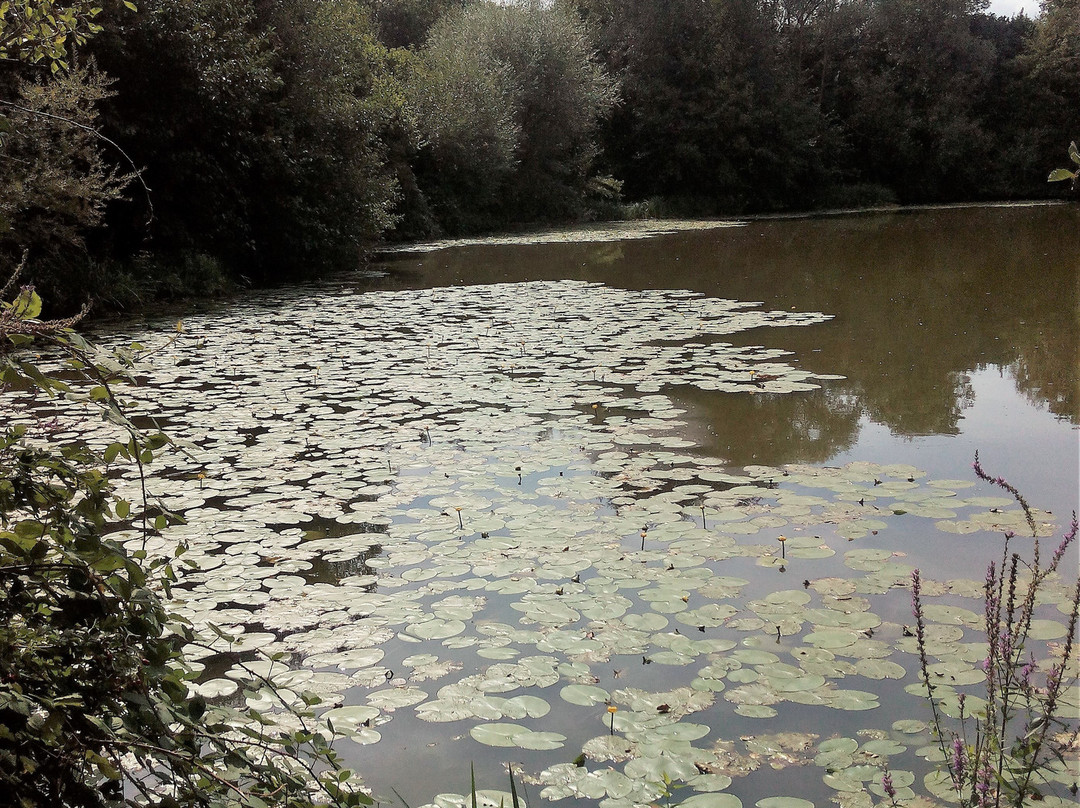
{"x": 1051, "y": 59}
{"x": 713, "y": 109}
{"x": 56, "y": 180}
{"x": 906, "y": 92}
{"x": 464, "y": 109}
{"x": 508, "y": 100}
{"x": 326, "y": 153}
{"x": 405, "y": 23}
{"x": 260, "y": 128}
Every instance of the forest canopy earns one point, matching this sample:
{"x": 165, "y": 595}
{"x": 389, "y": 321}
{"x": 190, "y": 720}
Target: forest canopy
{"x": 182, "y": 143}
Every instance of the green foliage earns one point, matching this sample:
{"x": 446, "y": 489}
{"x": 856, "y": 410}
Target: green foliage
{"x": 1060, "y": 174}
{"x": 281, "y": 138}
{"x": 405, "y": 23}
{"x": 41, "y": 31}
{"x": 57, "y": 182}
{"x": 1051, "y": 62}
{"x": 260, "y": 126}
{"x": 713, "y": 110}
{"x": 95, "y": 705}
{"x": 507, "y": 102}
{"x": 907, "y": 83}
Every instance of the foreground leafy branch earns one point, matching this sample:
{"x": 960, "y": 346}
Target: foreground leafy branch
{"x": 96, "y": 707}
{"x": 1062, "y": 174}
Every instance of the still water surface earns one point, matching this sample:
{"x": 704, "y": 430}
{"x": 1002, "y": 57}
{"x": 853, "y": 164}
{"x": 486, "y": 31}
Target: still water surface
{"x": 450, "y": 378}
{"x": 956, "y": 331}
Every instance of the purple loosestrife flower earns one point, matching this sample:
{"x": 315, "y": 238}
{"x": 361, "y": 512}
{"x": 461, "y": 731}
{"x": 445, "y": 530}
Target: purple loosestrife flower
{"x": 1026, "y": 671}
{"x": 1066, "y": 540}
{"x": 1053, "y": 679}
{"x": 990, "y": 592}
{"x": 977, "y": 466}
{"x": 1006, "y": 645}
{"x": 959, "y": 761}
{"x": 887, "y": 785}
{"x": 982, "y": 787}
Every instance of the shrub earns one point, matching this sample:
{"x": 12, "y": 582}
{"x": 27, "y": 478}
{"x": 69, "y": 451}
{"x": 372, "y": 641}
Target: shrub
{"x": 507, "y": 103}
{"x": 56, "y": 179}
{"x": 95, "y": 703}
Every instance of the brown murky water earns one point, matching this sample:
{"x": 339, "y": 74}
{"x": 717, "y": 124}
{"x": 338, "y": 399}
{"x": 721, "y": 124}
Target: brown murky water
{"x": 957, "y": 329}
{"x": 954, "y": 330}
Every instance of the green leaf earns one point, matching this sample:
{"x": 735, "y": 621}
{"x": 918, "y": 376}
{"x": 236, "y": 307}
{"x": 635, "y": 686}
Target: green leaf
{"x": 107, "y": 769}
{"x": 1074, "y": 153}
{"x": 1059, "y": 174}
{"x": 27, "y": 305}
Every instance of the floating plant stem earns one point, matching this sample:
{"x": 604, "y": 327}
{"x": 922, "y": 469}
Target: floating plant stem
{"x": 783, "y": 551}
{"x": 612, "y": 709}
{"x": 514, "y": 803}
{"x": 461, "y": 524}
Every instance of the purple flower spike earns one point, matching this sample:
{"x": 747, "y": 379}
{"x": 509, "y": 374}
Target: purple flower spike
{"x": 959, "y": 760}
{"x": 887, "y": 784}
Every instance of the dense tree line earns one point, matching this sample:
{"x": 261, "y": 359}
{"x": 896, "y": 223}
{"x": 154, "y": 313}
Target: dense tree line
{"x": 189, "y": 140}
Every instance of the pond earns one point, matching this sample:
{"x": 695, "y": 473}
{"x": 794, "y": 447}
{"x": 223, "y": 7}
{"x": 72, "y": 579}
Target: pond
{"x": 483, "y": 492}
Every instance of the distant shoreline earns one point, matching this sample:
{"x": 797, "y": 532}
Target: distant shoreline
{"x": 632, "y": 229}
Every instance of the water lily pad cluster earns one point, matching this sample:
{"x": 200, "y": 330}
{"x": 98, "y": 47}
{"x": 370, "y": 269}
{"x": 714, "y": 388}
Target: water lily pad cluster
{"x": 592, "y": 233}
{"x": 473, "y": 507}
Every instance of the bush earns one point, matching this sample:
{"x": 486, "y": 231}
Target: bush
{"x": 95, "y": 704}
{"x": 507, "y": 103}
{"x": 56, "y": 182}
{"x": 261, "y": 128}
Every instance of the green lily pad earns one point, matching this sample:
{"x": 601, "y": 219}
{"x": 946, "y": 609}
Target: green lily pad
{"x": 1046, "y": 630}
{"x": 584, "y": 695}
{"x": 756, "y": 711}
{"x": 712, "y": 800}
{"x": 784, "y": 802}
{"x": 497, "y": 734}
